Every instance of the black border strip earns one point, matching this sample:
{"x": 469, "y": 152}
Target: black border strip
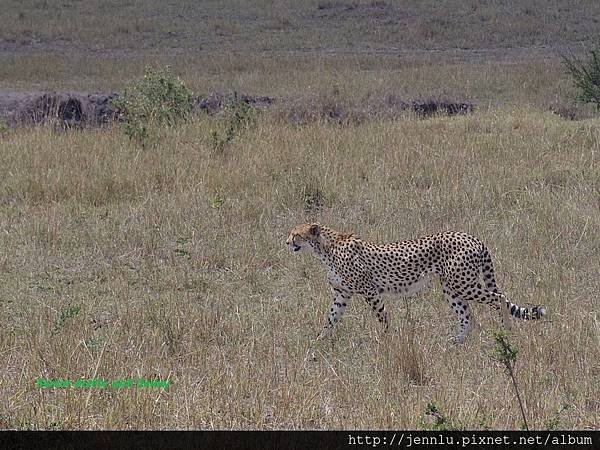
{"x": 331, "y": 440}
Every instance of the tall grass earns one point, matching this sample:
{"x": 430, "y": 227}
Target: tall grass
{"x": 358, "y": 79}
{"x": 170, "y": 263}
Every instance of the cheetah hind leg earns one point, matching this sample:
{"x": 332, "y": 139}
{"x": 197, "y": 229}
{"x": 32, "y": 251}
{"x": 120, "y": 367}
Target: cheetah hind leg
{"x": 461, "y": 308}
{"x": 378, "y": 306}
{"x": 466, "y": 323}
{"x": 496, "y": 300}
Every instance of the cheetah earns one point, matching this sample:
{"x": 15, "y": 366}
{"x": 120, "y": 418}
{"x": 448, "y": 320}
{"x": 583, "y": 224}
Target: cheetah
{"x": 359, "y": 267}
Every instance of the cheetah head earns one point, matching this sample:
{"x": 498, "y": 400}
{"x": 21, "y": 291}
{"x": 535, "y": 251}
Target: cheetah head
{"x": 301, "y": 236}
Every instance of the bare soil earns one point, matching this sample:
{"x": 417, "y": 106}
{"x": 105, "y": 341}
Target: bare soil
{"x": 71, "y": 109}
{"x": 77, "y": 109}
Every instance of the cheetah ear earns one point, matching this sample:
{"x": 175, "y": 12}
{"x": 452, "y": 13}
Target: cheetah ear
{"x": 314, "y": 229}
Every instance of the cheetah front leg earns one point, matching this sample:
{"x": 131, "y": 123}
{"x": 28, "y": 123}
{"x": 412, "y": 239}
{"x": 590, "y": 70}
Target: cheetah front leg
{"x": 378, "y": 306}
{"x": 340, "y": 301}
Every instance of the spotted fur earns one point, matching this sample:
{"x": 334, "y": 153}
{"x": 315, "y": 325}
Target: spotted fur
{"x": 355, "y": 266}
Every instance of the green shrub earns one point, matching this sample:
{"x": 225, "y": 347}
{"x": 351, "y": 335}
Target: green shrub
{"x": 159, "y": 98}
{"x": 586, "y": 77}
{"x": 237, "y": 116}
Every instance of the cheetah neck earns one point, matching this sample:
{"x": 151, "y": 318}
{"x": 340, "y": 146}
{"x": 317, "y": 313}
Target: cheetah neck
{"x": 325, "y": 245}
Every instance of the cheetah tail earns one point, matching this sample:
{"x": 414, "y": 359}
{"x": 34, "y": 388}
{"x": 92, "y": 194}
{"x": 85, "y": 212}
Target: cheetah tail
{"x": 487, "y": 268}
{"x": 525, "y": 313}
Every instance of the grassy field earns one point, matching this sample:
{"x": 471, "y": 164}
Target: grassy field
{"x": 169, "y": 263}
{"x": 297, "y": 47}
{"x": 288, "y": 25}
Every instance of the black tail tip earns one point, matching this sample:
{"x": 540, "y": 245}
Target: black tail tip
{"x": 541, "y": 311}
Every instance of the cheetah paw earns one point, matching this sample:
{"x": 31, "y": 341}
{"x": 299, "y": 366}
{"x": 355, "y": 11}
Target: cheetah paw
{"x": 457, "y": 340}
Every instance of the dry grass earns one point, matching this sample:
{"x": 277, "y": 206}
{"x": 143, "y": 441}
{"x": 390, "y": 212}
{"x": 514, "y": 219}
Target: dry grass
{"x": 356, "y": 80}
{"x": 259, "y": 25}
{"x": 171, "y": 264}
{"x": 489, "y": 53}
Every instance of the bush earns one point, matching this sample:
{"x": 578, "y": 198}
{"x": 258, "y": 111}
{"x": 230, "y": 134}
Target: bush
{"x": 586, "y": 77}
{"x": 159, "y": 98}
{"x": 237, "y": 116}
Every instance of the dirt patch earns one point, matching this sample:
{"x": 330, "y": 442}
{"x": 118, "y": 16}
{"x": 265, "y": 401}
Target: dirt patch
{"x": 388, "y": 107}
{"x": 67, "y": 109}
{"x": 434, "y": 107}
{"x": 79, "y": 110}
{"x": 391, "y": 105}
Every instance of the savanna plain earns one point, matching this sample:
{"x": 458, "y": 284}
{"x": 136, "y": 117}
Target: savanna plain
{"x": 168, "y": 261}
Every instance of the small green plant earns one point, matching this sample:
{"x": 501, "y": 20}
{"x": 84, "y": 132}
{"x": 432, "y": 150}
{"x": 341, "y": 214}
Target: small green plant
{"x": 181, "y": 252}
{"x": 94, "y": 345}
{"x": 217, "y": 202}
{"x": 554, "y": 422}
{"x": 65, "y": 315}
{"x": 26, "y": 424}
{"x": 3, "y": 127}
{"x": 237, "y": 116}
{"x": 506, "y": 354}
{"x": 586, "y": 76}
{"x": 483, "y": 424}
{"x": 159, "y": 98}
{"x": 312, "y": 196}
{"x": 313, "y": 199}
{"x": 438, "y": 421}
